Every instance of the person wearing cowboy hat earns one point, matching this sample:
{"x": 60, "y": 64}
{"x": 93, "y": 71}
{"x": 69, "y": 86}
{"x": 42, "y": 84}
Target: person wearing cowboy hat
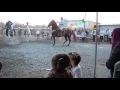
{"x": 27, "y": 23}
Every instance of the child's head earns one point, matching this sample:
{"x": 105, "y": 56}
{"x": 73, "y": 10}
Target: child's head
{"x": 60, "y": 62}
{"x": 75, "y": 58}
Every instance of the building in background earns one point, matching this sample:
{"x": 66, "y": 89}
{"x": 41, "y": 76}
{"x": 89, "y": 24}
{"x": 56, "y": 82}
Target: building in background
{"x": 109, "y": 26}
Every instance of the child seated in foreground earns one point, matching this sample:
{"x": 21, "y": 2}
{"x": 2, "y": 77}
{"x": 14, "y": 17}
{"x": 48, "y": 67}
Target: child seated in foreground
{"x": 75, "y": 66}
{"x": 59, "y": 64}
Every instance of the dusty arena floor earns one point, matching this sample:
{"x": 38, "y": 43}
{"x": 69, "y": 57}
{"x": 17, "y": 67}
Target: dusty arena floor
{"x": 30, "y": 60}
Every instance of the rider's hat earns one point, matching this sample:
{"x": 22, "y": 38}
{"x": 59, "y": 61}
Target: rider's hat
{"x": 61, "y": 17}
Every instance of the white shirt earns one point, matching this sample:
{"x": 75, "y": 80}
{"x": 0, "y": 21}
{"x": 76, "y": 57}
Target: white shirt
{"x": 75, "y": 32}
{"x": 28, "y": 29}
{"x": 38, "y": 32}
{"x": 83, "y": 34}
{"x": 94, "y": 32}
{"x": 110, "y": 33}
{"x": 76, "y": 71}
{"x": 101, "y": 33}
{"x": 106, "y": 32}
{"x": 62, "y": 24}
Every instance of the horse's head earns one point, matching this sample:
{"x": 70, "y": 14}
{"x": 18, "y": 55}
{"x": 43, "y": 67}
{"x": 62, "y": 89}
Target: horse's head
{"x": 52, "y": 23}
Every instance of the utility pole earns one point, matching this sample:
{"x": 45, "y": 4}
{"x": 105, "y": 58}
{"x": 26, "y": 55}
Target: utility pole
{"x": 84, "y": 20}
{"x": 96, "y": 44}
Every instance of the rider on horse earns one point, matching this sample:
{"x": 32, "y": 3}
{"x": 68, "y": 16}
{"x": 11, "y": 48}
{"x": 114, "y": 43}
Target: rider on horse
{"x": 8, "y": 26}
{"x": 61, "y": 24}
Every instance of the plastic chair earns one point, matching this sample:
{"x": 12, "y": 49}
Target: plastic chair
{"x": 116, "y": 73}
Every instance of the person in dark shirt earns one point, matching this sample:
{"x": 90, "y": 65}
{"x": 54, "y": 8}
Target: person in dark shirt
{"x": 115, "y": 51}
{"x": 114, "y": 58}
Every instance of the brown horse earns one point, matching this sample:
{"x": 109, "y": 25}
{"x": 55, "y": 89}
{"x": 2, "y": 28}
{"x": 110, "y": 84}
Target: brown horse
{"x": 56, "y": 32}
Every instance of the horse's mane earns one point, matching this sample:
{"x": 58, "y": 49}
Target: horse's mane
{"x": 54, "y": 22}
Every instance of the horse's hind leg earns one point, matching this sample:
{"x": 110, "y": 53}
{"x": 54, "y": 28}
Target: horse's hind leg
{"x": 69, "y": 41}
{"x": 51, "y": 38}
{"x": 54, "y": 41}
{"x": 65, "y": 41}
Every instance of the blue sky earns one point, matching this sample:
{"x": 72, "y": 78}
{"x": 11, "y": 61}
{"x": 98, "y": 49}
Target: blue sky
{"x": 40, "y": 18}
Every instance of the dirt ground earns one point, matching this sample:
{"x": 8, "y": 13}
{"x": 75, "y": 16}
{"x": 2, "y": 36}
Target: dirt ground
{"x": 31, "y": 59}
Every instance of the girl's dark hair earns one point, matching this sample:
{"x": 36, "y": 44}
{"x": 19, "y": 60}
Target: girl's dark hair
{"x": 0, "y": 66}
{"x": 60, "y": 62}
{"x": 75, "y": 57}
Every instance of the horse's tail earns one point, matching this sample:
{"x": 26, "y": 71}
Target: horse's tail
{"x": 74, "y": 36}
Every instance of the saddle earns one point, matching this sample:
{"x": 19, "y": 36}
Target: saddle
{"x": 60, "y": 33}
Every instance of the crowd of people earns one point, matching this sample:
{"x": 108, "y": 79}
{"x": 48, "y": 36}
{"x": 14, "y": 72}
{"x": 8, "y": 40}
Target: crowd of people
{"x": 103, "y": 35}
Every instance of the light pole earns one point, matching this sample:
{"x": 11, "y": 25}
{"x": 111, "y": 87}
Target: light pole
{"x": 96, "y": 44}
{"x": 84, "y": 20}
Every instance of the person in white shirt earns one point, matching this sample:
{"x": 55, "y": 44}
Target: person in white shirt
{"x": 83, "y": 34}
{"x": 38, "y": 34}
{"x": 106, "y": 35}
{"x": 110, "y": 35}
{"x": 94, "y": 35}
{"x": 75, "y": 69}
{"x": 75, "y": 31}
{"x": 101, "y": 35}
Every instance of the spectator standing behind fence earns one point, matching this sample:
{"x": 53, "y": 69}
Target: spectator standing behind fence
{"x": 110, "y": 36}
{"x": 106, "y": 35}
{"x": 60, "y": 62}
{"x": 75, "y": 31}
{"x": 101, "y": 35}
{"x": 94, "y": 35}
{"x": 38, "y": 34}
{"x": 83, "y": 34}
